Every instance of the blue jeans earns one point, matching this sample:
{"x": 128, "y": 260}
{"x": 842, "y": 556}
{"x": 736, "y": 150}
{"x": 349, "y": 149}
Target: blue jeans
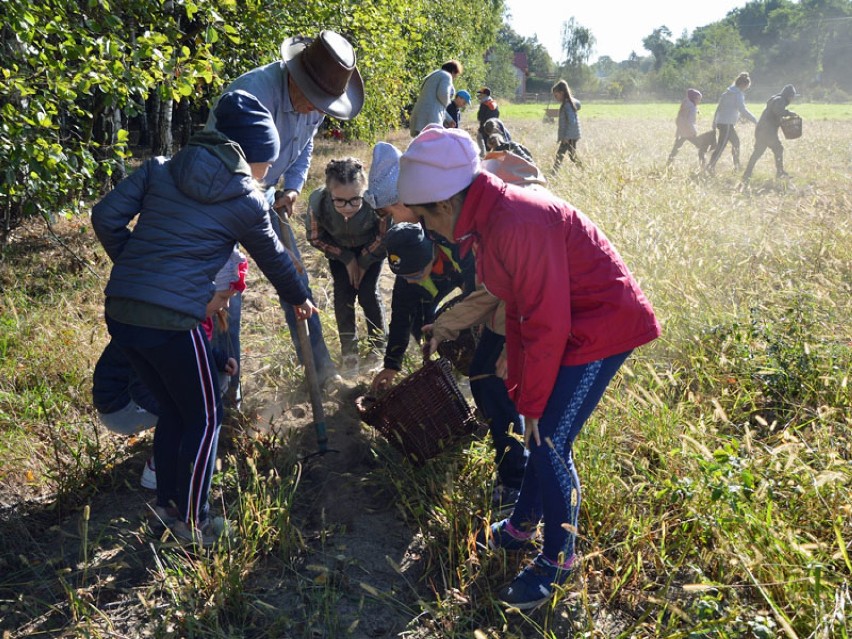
{"x": 230, "y": 342}
{"x": 493, "y": 401}
{"x": 551, "y": 485}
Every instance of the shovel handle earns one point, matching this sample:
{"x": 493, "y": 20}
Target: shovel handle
{"x": 304, "y": 337}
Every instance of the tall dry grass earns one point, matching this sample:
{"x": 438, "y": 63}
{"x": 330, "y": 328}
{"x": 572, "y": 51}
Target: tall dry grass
{"x": 716, "y": 471}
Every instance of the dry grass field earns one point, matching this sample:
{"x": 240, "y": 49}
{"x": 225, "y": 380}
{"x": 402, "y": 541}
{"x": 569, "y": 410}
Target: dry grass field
{"x": 717, "y": 470}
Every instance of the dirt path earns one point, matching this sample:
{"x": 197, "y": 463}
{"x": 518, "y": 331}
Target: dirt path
{"x": 58, "y": 566}
{"x": 359, "y": 544}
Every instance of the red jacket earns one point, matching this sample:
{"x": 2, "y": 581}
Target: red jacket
{"x": 570, "y": 299}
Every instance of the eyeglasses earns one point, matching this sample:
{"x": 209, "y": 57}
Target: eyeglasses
{"x": 340, "y": 203}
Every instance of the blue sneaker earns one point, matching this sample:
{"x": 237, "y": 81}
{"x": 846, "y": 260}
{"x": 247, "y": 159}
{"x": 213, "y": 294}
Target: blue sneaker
{"x": 534, "y": 585}
{"x": 497, "y": 536}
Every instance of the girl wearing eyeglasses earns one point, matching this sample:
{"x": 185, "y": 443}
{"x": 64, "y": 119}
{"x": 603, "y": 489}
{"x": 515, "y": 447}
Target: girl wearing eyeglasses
{"x": 349, "y": 232}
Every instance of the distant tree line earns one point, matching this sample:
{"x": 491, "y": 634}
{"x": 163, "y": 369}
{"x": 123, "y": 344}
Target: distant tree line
{"x": 807, "y": 43}
{"x": 81, "y": 80}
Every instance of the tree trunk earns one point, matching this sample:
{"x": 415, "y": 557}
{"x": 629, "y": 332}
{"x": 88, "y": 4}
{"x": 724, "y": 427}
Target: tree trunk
{"x": 120, "y": 170}
{"x": 152, "y": 112}
{"x": 183, "y": 115}
{"x": 163, "y": 133}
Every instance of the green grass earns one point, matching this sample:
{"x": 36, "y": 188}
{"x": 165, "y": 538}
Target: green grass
{"x": 716, "y": 471}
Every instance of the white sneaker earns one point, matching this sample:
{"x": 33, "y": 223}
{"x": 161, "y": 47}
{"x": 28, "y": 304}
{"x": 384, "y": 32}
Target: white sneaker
{"x": 205, "y": 535}
{"x": 149, "y": 475}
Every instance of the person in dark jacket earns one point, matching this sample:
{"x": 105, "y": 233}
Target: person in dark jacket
{"x": 426, "y": 273}
{"x": 125, "y": 405}
{"x": 454, "y": 109}
{"x": 487, "y": 109}
{"x": 766, "y": 132}
{"x": 190, "y": 211}
{"x": 349, "y": 232}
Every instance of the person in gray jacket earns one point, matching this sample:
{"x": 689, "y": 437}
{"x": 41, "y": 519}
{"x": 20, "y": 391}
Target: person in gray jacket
{"x": 315, "y": 77}
{"x": 569, "y": 124}
{"x": 350, "y": 232}
{"x": 190, "y": 211}
{"x": 731, "y": 106}
{"x": 435, "y": 94}
{"x": 766, "y": 132}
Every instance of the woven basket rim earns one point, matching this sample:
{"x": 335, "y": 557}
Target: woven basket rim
{"x": 403, "y": 415}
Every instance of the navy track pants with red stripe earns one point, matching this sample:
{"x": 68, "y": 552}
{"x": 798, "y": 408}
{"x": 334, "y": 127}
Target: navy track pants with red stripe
{"x": 178, "y": 368}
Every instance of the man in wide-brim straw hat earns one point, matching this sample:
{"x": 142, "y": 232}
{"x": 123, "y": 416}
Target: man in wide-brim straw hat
{"x": 315, "y": 77}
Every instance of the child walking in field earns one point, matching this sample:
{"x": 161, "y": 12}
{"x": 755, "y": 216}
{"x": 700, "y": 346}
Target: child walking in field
{"x": 687, "y": 116}
{"x": 191, "y": 210}
{"x": 766, "y": 132}
{"x": 574, "y": 313}
{"x": 569, "y": 124}
{"x": 349, "y": 232}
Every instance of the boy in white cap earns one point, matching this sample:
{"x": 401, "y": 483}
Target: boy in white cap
{"x": 381, "y": 191}
{"x": 573, "y": 315}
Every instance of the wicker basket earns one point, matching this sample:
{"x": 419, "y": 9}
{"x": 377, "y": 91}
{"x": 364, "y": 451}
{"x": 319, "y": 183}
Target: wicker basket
{"x": 423, "y": 415}
{"x": 791, "y": 126}
{"x": 460, "y": 350}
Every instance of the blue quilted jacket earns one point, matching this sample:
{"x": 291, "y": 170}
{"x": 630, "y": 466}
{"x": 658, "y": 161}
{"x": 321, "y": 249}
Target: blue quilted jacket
{"x": 191, "y": 211}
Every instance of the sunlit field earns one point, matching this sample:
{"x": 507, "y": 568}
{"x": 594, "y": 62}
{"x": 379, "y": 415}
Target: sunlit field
{"x": 716, "y": 472}
{"x": 668, "y": 110}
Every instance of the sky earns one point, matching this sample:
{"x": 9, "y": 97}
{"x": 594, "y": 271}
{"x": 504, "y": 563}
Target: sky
{"x": 618, "y": 25}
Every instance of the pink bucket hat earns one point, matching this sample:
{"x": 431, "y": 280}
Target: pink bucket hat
{"x": 437, "y": 164}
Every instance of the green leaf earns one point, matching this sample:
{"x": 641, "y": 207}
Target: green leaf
{"x": 185, "y": 89}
